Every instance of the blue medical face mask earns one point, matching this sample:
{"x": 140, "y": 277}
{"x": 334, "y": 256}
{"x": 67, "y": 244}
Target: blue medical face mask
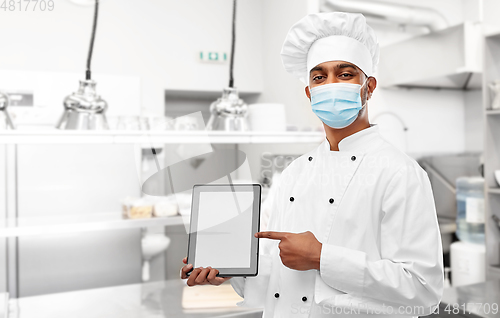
{"x": 337, "y": 104}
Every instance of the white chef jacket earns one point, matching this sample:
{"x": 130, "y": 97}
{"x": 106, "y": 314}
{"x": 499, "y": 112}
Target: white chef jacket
{"x": 372, "y": 208}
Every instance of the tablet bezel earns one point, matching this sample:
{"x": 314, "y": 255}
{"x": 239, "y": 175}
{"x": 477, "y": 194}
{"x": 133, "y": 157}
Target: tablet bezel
{"x": 254, "y": 258}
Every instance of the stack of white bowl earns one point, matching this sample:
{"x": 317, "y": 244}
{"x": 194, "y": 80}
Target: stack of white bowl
{"x": 267, "y": 117}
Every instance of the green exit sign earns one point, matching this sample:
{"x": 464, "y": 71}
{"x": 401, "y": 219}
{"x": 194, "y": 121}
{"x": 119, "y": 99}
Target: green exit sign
{"x": 213, "y": 56}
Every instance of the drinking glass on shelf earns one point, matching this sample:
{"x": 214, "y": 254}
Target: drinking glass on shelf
{"x": 160, "y": 123}
{"x": 129, "y": 123}
{"x": 186, "y": 123}
{"x": 144, "y": 123}
{"x": 113, "y": 122}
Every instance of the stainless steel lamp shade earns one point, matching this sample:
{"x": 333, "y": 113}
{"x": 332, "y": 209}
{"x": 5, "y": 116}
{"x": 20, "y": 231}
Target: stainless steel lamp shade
{"x": 4, "y": 102}
{"x": 228, "y": 113}
{"x": 84, "y": 110}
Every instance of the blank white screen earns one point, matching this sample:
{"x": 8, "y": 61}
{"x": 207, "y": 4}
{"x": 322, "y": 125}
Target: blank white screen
{"x": 224, "y": 236}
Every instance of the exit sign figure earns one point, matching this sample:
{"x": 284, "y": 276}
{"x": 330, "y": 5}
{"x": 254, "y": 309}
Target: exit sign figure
{"x": 213, "y": 56}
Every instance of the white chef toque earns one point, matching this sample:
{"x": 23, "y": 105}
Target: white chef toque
{"x": 332, "y": 36}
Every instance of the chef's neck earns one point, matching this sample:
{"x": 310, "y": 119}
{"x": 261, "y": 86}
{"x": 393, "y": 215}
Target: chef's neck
{"x": 334, "y": 136}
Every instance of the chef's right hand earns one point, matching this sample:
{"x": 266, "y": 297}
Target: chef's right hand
{"x": 201, "y": 276}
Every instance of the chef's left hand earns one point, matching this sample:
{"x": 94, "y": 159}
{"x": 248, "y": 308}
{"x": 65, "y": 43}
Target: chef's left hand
{"x": 300, "y": 251}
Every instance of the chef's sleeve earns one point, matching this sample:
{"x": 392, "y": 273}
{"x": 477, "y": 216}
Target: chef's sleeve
{"x": 410, "y": 269}
{"x": 254, "y": 289}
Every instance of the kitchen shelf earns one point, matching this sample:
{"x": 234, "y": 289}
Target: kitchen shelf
{"x": 491, "y": 31}
{"x": 204, "y": 94}
{"x": 494, "y": 190}
{"x": 493, "y": 112}
{"x": 149, "y": 137}
{"x": 449, "y": 58}
{"x": 491, "y": 44}
{"x": 32, "y": 226}
{"x": 495, "y": 269}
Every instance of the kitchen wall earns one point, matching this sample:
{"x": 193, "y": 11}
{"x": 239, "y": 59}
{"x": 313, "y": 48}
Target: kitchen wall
{"x": 278, "y": 85}
{"x": 490, "y": 12}
{"x": 453, "y": 11}
{"x": 439, "y": 121}
{"x": 474, "y": 121}
{"x": 434, "y": 118}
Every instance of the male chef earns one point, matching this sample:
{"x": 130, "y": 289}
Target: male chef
{"x": 353, "y": 230}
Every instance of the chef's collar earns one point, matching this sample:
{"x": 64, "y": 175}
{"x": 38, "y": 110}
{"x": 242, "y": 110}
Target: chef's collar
{"x": 358, "y": 141}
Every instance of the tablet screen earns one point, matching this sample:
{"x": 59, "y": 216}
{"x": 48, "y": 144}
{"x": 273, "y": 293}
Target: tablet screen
{"x": 224, "y": 227}
{"x": 224, "y": 224}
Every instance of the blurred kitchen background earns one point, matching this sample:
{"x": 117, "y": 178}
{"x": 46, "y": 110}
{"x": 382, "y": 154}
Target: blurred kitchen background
{"x": 76, "y": 226}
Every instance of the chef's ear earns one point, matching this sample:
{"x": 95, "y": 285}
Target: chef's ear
{"x": 372, "y": 84}
{"x": 308, "y": 92}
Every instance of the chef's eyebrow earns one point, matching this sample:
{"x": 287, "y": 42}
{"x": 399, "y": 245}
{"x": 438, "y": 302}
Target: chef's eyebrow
{"x": 345, "y": 65}
{"x": 316, "y": 68}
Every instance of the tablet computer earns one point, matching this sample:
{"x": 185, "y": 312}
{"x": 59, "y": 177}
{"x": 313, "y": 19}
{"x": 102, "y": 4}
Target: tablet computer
{"x": 224, "y": 219}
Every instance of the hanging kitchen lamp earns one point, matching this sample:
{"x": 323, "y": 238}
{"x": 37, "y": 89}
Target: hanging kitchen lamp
{"x": 229, "y": 112}
{"x": 84, "y": 109}
{"x": 4, "y": 102}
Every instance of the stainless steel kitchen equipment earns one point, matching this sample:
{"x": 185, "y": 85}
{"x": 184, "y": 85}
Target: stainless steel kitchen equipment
{"x": 72, "y": 184}
{"x": 443, "y": 170}
{"x": 4, "y": 102}
{"x": 84, "y": 109}
{"x": 228, "y": 113}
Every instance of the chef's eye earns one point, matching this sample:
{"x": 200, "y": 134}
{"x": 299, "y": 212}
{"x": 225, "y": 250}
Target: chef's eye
{"x": 345, "y": 75}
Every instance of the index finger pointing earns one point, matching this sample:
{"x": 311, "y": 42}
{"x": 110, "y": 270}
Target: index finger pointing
{"x": 271, "y": 235}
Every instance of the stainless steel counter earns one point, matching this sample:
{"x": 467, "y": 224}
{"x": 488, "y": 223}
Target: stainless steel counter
{"x": 150, "y": 300}
{"x": 164, "y": 299}
{"x": 479, "y": 299}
